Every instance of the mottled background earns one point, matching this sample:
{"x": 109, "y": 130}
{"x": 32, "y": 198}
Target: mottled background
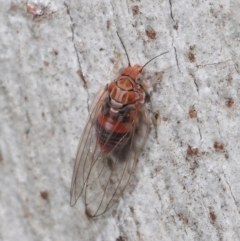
{"x": 55, "y": 55}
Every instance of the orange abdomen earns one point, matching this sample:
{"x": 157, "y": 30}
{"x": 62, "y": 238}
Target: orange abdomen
{"x": 111, "y": 133}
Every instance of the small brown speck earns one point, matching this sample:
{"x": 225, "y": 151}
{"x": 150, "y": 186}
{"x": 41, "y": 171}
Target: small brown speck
{"x": 150, "y": 32}
{"x": 46, "y": 63}
{"x": 192, "y": 151}
{"x": 135, "y": 10}
{"x": 229, "y": 102}
{"x": 212, "y": 216}
{"x": 88, "y": 213}
{"x": 218, "y": 146}
{"x": 191, "y": 56}
{"x": 44, "y": 195}
{"x": 55, "y": 52}
{"x": 175, "y": 26}
{"x": 184, "y": 218}
{"x": 192, "y": 112}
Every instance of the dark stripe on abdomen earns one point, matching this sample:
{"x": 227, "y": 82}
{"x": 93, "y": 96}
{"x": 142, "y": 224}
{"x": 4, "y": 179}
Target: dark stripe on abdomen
{"x": 109, "y": 139}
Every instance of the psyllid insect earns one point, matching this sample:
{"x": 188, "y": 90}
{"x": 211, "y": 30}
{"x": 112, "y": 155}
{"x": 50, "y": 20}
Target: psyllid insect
{"x": 112, "y": 140}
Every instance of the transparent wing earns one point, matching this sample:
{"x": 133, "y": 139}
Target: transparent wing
{"x": 101, "y": 177}
{"x": 87, "y": 145}
{"x": 110, "y": 173}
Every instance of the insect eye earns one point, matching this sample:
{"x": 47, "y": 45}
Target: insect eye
{"x": 139, "y": 79}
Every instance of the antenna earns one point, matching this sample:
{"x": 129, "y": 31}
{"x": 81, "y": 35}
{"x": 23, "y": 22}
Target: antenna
{"x": 129, "y": 64}
{"x": 153, "y": 59}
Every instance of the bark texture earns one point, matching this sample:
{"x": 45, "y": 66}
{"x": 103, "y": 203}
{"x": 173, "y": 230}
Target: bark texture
{"x": 55, "y": 55}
